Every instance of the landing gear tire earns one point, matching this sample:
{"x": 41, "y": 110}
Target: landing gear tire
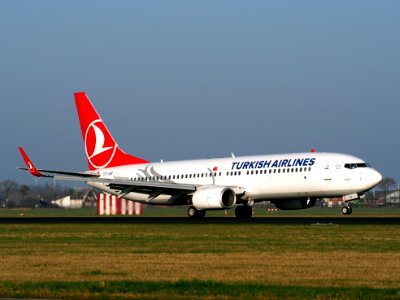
{"x": 347, "y": 210}
{"x": 201, "y": 213}
{"x": 194, "y": 213}
{"x": 351, "y": 210}
{"x": 244, "y": 211}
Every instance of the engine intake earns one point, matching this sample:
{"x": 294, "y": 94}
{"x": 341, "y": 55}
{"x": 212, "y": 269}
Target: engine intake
{"x": 214, "y": 198}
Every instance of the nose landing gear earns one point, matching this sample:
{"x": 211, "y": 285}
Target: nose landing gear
{"x": 347, "y": 210}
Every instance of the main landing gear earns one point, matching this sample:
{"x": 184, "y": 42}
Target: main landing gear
{"x": 195, "y": 213}
{"x": 244, "y": 211}
{"x": 241, "y": 211}
{"x": 347, "y": 210}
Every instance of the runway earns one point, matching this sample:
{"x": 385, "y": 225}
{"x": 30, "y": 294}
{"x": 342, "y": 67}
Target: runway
{"x": 344, "y": 220}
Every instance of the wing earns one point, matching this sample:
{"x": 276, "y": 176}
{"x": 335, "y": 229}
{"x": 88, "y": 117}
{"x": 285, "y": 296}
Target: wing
{"x": 44, "y": 173}
{"x": 124, "y": 185}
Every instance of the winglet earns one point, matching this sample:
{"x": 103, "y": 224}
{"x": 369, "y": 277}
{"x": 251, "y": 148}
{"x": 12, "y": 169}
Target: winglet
{"x": 31, "y": 167}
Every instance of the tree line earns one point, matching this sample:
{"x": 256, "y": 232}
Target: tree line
{"x": 13, "y": 194}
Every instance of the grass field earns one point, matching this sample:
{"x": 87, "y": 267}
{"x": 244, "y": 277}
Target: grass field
{"x": 223, "y": 261}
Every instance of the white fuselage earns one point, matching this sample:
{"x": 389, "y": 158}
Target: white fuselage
{"x": 261, "y": 178}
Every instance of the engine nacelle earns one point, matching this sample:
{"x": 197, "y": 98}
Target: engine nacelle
{"x": 288, "y": 204}
{"x": 214, "y": 198}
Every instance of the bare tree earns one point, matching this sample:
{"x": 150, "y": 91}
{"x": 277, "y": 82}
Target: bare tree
{"x": 7, "y": 187}
{"x": 385, "y": 185}
{"x": 21, "y": 195}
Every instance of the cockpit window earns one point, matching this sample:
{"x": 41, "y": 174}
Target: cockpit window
{"x": 357, "y": 165}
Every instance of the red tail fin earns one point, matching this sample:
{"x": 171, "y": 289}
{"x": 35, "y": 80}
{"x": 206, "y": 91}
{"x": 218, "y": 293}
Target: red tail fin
{"x": 101, "y": 149}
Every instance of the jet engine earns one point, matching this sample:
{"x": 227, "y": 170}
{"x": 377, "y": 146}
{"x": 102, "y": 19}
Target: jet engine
{"x": 214, "y": 198}
{"x": 288, "y": 204}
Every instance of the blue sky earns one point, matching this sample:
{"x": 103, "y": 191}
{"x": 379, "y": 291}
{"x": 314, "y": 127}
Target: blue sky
{"x": 194, "y": 79}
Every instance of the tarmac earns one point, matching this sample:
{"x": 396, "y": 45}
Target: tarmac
{"x": 343, "y": 220}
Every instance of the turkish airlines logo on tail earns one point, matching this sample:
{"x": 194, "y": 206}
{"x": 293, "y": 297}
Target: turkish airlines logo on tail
{"x": 99, "y": 145}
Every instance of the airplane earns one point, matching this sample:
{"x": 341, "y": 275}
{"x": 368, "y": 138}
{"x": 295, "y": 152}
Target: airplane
{"x": 289, "y": 181}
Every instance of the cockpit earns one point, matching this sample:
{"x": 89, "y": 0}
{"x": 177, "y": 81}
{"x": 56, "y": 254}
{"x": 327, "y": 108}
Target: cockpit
{"x": 356, "y": 165}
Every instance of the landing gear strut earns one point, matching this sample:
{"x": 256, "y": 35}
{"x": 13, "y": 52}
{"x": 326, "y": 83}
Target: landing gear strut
{"x": 195, "y": 213}
{"x": 347, "y": 210}
{"x": 244, "y": 211}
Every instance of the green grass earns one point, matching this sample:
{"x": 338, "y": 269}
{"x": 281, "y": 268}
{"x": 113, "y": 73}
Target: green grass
{"x": 194, "y": 238}
{"x": 196, "y": 261}
{"x": 47, "y": 212}
{"x": 184, "y": 288}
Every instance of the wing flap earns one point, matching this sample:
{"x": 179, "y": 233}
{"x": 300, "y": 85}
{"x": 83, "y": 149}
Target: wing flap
{"x": 147, "y": 187}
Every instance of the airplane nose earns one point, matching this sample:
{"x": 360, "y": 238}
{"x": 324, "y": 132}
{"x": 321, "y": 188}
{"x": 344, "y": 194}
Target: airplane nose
{"x": 375, "y": 177}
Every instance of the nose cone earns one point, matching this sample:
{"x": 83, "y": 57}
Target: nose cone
{"x": 374, "y": 177}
